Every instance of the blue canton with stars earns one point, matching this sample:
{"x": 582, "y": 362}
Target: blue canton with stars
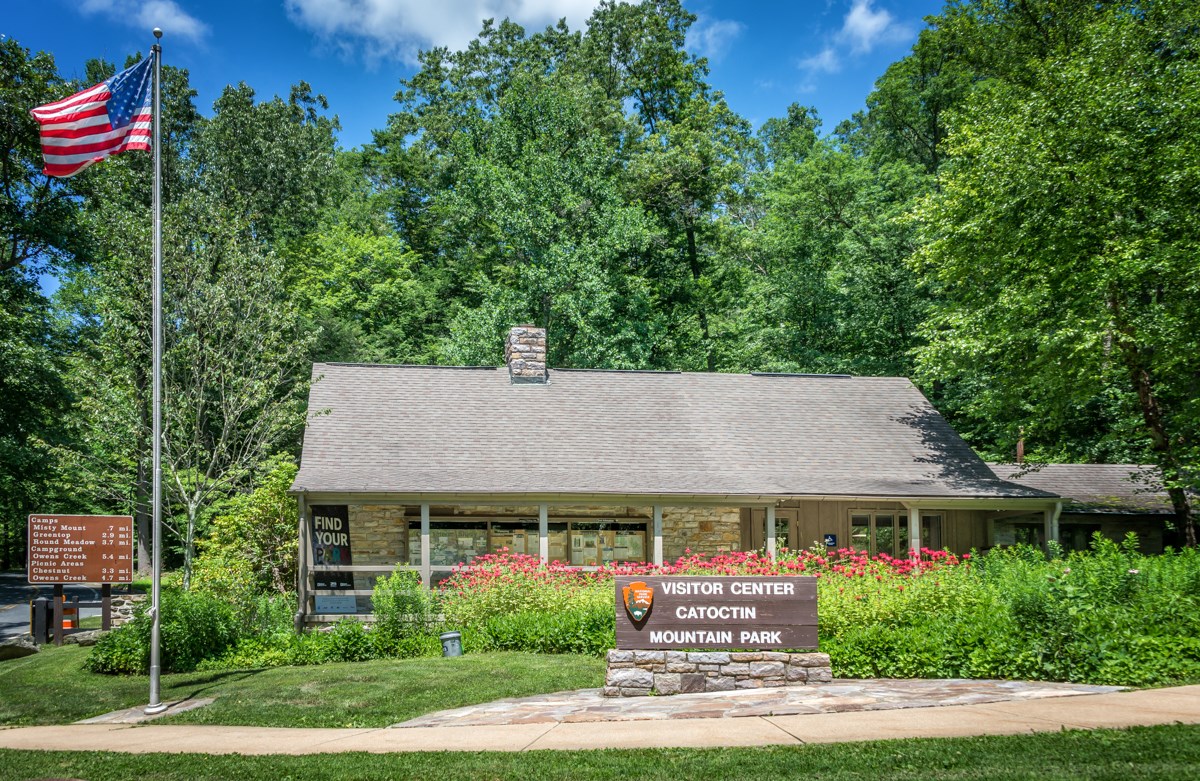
{"x": 130, "y": 93}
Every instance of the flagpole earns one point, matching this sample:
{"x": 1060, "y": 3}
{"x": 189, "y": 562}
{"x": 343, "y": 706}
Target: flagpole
{"x": 156, "y": 705}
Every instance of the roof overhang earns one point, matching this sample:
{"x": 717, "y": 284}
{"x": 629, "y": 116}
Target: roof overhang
{"x": 616, "y": 499}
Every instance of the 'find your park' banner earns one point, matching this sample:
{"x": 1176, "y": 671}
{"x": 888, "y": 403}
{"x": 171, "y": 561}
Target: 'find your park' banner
{"x": 330, "y": 526}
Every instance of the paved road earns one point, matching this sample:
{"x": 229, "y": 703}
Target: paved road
{"x": 16, "y": 594}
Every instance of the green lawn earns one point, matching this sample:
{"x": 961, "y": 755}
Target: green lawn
{"x": 51, "y": 688}
{"x": 1161, "y": 753}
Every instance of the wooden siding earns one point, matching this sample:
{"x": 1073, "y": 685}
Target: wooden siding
{"x": 962, "y": 530}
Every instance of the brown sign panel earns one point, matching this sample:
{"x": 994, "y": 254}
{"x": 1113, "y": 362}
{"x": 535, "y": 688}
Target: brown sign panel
{"x": 751, "y": 612}
{"x": 80, "y": 549}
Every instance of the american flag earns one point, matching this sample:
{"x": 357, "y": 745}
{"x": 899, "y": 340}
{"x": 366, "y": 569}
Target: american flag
{"x": 107, "y": 119}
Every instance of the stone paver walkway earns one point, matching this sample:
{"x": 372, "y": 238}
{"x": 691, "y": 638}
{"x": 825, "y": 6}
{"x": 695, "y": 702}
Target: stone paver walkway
{"x": 588, "y": 705}
{"x": 1020, "y": 715}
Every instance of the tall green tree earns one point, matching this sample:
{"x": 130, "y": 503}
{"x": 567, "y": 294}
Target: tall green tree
{"x": 628, "y": 264}
{"x": 1065, "y": 237}
{"x": 235, "y": 357}
{"x": 831, "y": 291}
{"x": 40, "y": 230}
{"x": 234, "y": 366}
{"x": 106, "y": 297}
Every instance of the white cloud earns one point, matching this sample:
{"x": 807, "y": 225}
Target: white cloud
{"x": 824, "y": 61}
{"x": 712, "y": 38}
{"x": 863, "y": 28}
{"x": 380, "y": 29}
{"x": 148, "y": 14}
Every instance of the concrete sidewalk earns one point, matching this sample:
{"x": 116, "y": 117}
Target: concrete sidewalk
{"x": 1089, "y": 711}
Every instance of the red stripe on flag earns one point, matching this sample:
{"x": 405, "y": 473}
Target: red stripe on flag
{"x": 83, "y": 148}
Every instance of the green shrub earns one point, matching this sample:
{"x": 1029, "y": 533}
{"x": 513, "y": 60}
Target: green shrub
{"x": 403, "y": 607}
{"x": 251, "y": 547}
{"x": 590, "y": 632}
{"x": 348, "y": 641}
{"x": 193, "y": 627}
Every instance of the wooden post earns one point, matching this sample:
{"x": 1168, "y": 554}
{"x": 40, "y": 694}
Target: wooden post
{"x": 41, "y": 620}
{"x": 771, "y": 532}
{"x": 302, "y": 565}
{"x": 58, "y": 614}
{"x": 658, "y": 534}
{"x": 914, "y": 533}
{"x": 426, "y": 569}
{"x": 106, "y": 606}
{"x": 544, "y": 534}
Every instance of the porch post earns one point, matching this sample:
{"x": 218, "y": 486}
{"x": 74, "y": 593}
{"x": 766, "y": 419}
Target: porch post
{"x": 544, "y": 534}
{"x": 914, "y": 533}
{"x": 658, "y": 548}
{"x": 426, "y": 571}
{"x": 302, "y": 566}
{"x": 771, "y": 532}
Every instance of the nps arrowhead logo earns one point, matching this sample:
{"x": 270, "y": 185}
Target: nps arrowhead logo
{"x": 639, "y": 598}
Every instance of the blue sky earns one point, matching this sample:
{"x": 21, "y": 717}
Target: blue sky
{"x": 763, "y": 56}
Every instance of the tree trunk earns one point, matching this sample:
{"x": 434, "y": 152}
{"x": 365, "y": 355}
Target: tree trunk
{"x": 189, "y": 545}
{"x": 710, "y": 359}
{"x": 1160, "y": 443}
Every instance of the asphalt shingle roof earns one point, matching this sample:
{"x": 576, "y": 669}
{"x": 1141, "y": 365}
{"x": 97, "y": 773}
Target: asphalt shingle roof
{"x": 1128, "y": 488}
{"x": 420, "y": 429}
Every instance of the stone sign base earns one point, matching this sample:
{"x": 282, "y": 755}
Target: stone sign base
{"x": 639, "y": 673}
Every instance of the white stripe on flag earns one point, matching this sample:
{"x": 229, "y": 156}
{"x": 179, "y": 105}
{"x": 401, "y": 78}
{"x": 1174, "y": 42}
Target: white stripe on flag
{"x": 72, "y": 103}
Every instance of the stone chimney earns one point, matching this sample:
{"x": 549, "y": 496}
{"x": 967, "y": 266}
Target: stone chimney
{"x": 525, "y": 354}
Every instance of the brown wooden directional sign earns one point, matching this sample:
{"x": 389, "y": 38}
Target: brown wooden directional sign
{"x": 80, "y": 549}
{"x": 722, "y": 613}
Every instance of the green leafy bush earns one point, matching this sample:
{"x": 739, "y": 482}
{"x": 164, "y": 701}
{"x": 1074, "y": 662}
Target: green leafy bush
{"x": 193, "y": 627}
{"x": 251, "y": 547}
{"x": 1109, "y": 615}
{"x": 590, "y": 632}
{"x": 348, "y": 641}
{"x": 404, "y": 611}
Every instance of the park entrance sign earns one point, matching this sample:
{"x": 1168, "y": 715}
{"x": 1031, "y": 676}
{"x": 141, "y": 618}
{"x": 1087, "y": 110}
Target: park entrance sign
{"x": 80, "y": 549}
{"x": 718, "y": 613}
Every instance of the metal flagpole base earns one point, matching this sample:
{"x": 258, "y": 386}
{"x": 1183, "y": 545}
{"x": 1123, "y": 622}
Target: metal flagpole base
{"x": 154, "y": 710}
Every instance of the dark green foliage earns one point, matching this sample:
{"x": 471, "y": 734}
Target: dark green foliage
{"x": 193, "y": 627}
{"x": 348, "y": 641}
{"x": 404, "y": 615}
{"x": 251, "y": 547}
{"x": 1108, "y": 616}
{"x": 583, "y": 631}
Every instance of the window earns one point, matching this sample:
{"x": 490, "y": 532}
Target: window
{"x": 584, "y": 542}
{"x": 782, "y": 536}
{"x": 1077, "y": 536}
{"x": 1029, "y": 534}
{"x": 931, "y": 531}
{"x": 874, "y": 532}
{"x": 603, "y": 542}
{"x": 887, "y": 532}
{"x": 860, "y": 532}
